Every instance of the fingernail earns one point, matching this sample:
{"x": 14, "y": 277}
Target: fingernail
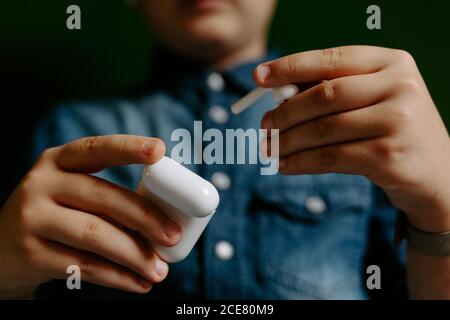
{"x": 263, "y": 72}
{"x": 267, "y": 122}
{"x": 171, "y": 228}
{"x": 161, "y": 267}
{"x": 145, "y": 284}
{"x": 148, "y": 147}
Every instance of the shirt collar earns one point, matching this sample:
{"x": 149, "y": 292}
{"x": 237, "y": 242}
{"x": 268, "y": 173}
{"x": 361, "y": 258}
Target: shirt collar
{"x": 242, "y": 75}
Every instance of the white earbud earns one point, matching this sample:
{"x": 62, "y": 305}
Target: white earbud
{"x": 279, "y": 95}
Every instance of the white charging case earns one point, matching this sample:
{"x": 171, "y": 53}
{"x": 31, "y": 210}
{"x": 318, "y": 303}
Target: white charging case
{"x": 185, "y": 197}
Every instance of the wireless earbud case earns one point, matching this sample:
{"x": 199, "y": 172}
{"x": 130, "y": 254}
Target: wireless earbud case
{"x": 185, "y": 197}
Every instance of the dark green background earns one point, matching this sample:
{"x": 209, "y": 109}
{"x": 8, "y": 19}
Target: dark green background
{"x": 42, "y": 62}
{"x": 111, "y": 50}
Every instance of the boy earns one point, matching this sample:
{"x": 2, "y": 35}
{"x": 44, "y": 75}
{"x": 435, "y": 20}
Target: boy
{"x": 362, "y": 130}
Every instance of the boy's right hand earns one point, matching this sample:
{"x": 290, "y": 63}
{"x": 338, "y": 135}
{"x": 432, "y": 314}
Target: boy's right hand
{"x": 60, "y": 215}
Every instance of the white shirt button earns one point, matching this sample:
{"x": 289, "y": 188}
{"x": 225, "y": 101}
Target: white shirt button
{"x": 221, "y": 180}
{"x": 216, "y": 82}
{"x": 315, "y": 205}
{"x": 224, "y": 250}
{"x": 218, "y": 114}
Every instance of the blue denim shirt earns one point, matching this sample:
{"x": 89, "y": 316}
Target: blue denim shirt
{"x": 280, "y": 237}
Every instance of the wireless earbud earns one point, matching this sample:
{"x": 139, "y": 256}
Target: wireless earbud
{"x": 279, "y": 95}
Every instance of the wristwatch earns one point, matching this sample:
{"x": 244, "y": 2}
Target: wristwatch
{"x": 434, "y": 244}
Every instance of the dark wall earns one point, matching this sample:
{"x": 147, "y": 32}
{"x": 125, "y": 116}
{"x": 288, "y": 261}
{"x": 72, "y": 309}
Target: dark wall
{"x": 42, "y": 63}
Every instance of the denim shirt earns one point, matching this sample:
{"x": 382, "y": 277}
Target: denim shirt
{"x": 272, "y": 237}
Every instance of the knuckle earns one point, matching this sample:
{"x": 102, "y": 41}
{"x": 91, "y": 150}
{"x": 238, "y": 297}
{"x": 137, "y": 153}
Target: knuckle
{"x": 387, "y": 152}
{"x": 24, "y": 211}
{"x": 32, "y": 183}
{"x": 291, "y": 64}
{"x": 407, "y": 84}
{"x": 31, "y": 180}
{"x": 27, "y": 247}
{"x": 382, "y": 151}
{"x": 326, "y": 92}
{"x": 404, "y": 57}
{"x": 91, "y": 143}
{"x": 99, "y": 186}
{"x": 124, "y": 144}
{"x": 47, "y": 155}
{"x": 69, "y": 148}
{"x": 327, "y": 158}
{"x": 404, "y": 115}
{"x": 92, "y": 231}
{"x": 322, "y": 127}
{"x": 25, "y": 215}
{"x": 331, "y": 58}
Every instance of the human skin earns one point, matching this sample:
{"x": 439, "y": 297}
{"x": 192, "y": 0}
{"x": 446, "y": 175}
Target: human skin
{"x": 406, "y": 154}
{"x": 218, "y": 32}
{"x": 367, "y": 111}
{"x": 59, "y": 215}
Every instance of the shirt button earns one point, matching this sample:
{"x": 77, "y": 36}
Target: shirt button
{"x": 216, "y": 82}
{"x": 224, "y": 250}
{"x": 218, "y": 114}
{"x": 221, "y": 180}
{"x": 315, "y": 205}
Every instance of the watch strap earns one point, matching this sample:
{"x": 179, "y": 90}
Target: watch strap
{"x": 434, "y": 244}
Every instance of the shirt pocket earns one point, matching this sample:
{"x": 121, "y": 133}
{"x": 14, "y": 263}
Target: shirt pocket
{"x": 312, "y": 235}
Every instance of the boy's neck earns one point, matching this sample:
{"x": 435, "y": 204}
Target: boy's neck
{"x": 254, "y": 51}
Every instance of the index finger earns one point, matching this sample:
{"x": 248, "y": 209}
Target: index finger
{"x": 92, "y": 154}
{"x": 317, "y": 65}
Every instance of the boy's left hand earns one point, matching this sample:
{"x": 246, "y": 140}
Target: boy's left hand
{"x": 365, "y": 111}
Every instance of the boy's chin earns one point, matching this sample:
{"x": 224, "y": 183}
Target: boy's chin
{"x": 213, "y": 29}
{"x": 215, "y": 38}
